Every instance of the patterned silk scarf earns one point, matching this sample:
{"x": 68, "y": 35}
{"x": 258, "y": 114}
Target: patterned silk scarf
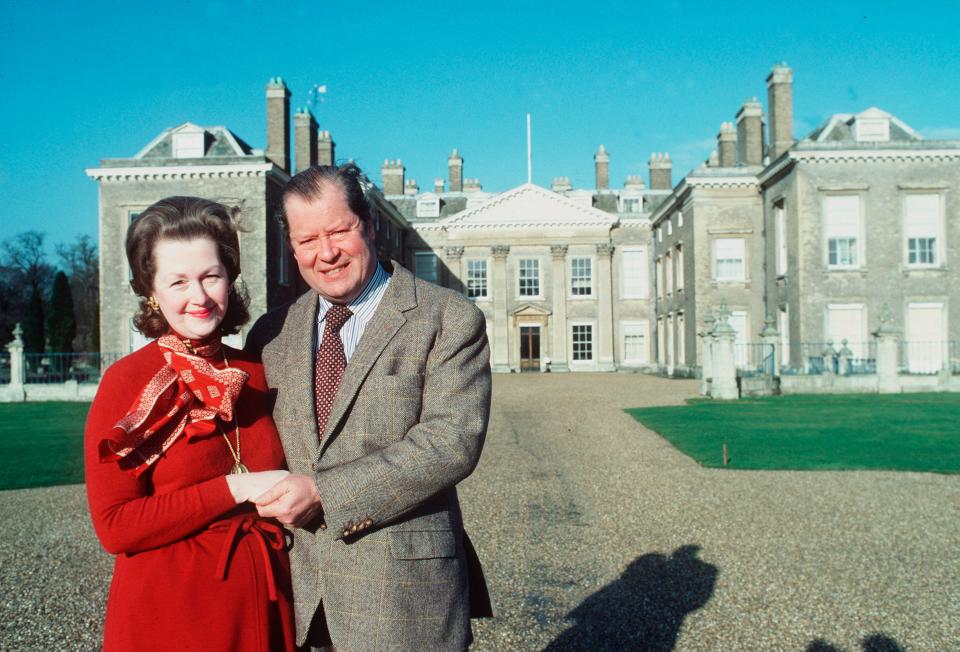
{"x": 186, "y": 395}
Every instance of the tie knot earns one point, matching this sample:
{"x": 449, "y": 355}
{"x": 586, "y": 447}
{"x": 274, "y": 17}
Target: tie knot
{"x": 337, "y": 316}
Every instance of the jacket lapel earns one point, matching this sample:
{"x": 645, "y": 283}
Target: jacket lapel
{"x": 296, "y": 349}
{"x": 386, "y": 322}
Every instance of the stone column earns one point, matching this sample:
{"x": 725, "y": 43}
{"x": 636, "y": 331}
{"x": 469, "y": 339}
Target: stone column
{"x": 706, "y": 353}
{"x": 456, "y": 278}
{"x": 724, "y": 385}
{"x": 604, "y": 308}
{"x": 888, "y": 345}
{"x": 770, "y": 335}
{"x": 558, "y": 348}
{"x": 15, "y": 391}
{"x": 500, "y": 287}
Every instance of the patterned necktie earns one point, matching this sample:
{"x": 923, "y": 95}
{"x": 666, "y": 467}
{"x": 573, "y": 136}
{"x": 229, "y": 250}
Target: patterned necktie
{"x": 330, "y": 363}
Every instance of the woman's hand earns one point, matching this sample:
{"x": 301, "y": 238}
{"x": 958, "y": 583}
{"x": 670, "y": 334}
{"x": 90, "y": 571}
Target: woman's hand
{"x": 247, "y": 486}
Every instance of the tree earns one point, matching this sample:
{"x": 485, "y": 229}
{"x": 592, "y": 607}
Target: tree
{"x": 61, "y": 321}
{"x": 25, "y": 277}
{"x": 79, "y": 260}
{"x": 34, "y": 335}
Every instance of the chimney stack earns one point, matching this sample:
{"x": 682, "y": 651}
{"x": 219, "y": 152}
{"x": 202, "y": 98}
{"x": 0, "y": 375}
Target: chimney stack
{"x": 634, "y": 182}
{"x": 391, "y": 176}
{"x": 750, "y": 133}
{"x": 438, "y": 185}
{"x": 661, "y": 171}
{"x": 472, "y": 185}
{"x": 561, "y": 184}
{"x": 601, "y": 165}
{"x": 727, "y": 145}
{"x": 410, "y": 188}
{"x": 278, "y": 123}
{"x": 780, "y": 105}
{"x": 325, "y": 149}
{"x": 455, "y": 165}
{"x": 304, "y": 139}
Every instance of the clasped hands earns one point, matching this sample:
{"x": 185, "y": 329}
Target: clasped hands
{"x": 291, "y": 498}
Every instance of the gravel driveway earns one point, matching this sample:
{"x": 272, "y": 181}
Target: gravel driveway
{"x": 596, "y": 534}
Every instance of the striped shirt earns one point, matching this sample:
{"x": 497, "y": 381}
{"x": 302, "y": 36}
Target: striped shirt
{"x": 362, "y": 308}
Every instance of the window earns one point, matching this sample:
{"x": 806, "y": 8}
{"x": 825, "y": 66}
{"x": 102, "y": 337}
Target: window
{"x": 661, "y": 343}
{"x": 681, "y": 336}
{"x": 630, "y": 204}
{"x": 925, "y": 337}
{"x": 428, "y": 205}
{"x": 678, "y": 258}
{"x": 873, "y": 129}
{"x": 728, "y": 259}
{"x": 842, "y": 226}
{"x": 189, "y": 144}
{"x": 847, "y": 321}
{"x": 529, "y": 277}
{"x": 660, "y": 233}
{"x": 635, "y": 274}
{"x": 667, "y": 274}
{"x": 426, "y": 266}
{"x": 582, "y": 342}
{"x": 477, "y": 279}
{"x": 738, "y": 321}
{"x": 780, "y": 226}
{"x": 783, "y": 325}
{"x": 922, "y": 229}
{"x": 581, "y": 277}
{"x": 679, "y": 218}
{"x": 669, "y": 226}
{"x": 660, "y": 276}
{"x": 635, "y": 348}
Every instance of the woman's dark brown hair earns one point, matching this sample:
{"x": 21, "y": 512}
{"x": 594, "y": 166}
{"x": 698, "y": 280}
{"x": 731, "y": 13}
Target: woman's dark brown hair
{"x": 184, "y": 218}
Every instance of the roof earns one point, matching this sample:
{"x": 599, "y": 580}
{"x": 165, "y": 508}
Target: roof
{"x": 218, "y": 142}
{"x": 840, "y": 128}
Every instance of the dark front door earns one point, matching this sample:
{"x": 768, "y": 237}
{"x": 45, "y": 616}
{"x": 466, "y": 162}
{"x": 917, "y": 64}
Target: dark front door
{"x": 529, "y": 348}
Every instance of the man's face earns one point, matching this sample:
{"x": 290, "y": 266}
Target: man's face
{"x": 334, "y": 250}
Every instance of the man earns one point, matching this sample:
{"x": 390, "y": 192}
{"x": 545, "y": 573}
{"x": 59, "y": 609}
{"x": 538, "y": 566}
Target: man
{"x": 382, "y": 386}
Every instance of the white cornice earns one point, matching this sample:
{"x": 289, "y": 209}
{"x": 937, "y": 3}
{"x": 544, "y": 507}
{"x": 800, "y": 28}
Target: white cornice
{"x": 722, "y": 182}
{"x": 179, "y": 172}
{"x": 875, "y": 155}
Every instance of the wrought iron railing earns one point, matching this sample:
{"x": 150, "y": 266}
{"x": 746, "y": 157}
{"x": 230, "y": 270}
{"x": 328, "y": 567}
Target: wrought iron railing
{"x": 52, "y": 368}
{"x": 753, "y": 358}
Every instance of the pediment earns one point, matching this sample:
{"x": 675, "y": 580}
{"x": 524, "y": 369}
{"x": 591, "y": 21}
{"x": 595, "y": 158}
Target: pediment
{"x": 529, "y": 206}
{"x": 530, "y": 310}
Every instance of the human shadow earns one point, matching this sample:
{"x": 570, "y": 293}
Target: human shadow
{"x": 644, "y": 608}
{"x": 872, "y": 643}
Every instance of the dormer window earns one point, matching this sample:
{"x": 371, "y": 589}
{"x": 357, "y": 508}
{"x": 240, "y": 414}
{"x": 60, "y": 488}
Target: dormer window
{"x": 428, "y": 205}
{"x": 872, "y": 129}
{"x": 630, "y": 204}
{"x": 189, "y": 144}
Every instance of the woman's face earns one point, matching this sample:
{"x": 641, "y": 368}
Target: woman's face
{"x": 191, "y": 286}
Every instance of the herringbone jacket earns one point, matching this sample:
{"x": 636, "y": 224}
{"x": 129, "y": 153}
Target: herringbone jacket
{"x": 407, "y": 424}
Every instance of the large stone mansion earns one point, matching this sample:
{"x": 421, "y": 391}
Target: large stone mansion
{"x": 806, "y": 238}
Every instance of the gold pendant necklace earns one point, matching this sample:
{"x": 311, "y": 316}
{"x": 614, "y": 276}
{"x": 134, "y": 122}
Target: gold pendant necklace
{"x": 238, "y": 466}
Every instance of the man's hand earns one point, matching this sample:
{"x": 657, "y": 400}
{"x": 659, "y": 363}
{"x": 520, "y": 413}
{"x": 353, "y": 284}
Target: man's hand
{"x": 293, "y": 501}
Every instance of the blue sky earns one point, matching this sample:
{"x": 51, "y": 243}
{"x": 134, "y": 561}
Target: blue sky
{"x": 84, "y": 81}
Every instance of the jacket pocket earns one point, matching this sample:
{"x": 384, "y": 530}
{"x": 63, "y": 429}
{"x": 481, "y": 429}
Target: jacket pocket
{"x": 432, "y": 544}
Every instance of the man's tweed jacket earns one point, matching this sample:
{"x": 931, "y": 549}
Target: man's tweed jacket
{"x": 390, "y": 559}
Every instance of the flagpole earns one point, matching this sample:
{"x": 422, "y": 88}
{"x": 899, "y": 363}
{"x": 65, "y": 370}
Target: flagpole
{"x": 529, "y": 154}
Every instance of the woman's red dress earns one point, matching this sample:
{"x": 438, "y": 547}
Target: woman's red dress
{"x": 193, "y": 570}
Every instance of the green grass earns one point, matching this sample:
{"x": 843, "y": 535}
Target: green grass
{"x": 41, "y": 444}
{"x": 903, "y": 432}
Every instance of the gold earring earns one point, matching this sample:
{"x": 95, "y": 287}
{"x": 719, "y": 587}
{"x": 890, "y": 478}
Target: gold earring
{"x": 154, "y": 304}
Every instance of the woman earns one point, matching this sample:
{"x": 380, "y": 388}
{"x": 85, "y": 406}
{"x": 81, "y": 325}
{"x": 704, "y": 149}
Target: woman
{"x": 171, "y": 435}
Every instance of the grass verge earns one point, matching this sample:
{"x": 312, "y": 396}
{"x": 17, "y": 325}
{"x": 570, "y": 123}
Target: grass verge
{"x": 41, "y": 444}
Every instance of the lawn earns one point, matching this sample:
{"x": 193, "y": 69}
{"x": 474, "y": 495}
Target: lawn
{"x": 903, "y": 432}
{"x": 41, "y": 444}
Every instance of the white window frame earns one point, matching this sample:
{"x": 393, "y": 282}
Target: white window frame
{"x": 741, "y": 338}
{"x": 428, "y": 205}
{"x": 419, "y": 271}
{"x": 636, "y": 281}
{"x": 783, "y": 325}
{"x": 624, "y": 201}
{"x": 635, "y": 329}
{"x": 837, "y": 233}
{"x": 538, "y": 278}
{"x": 680, "y": 324}
{"x": 716, "y": 245}
{"x": 574, "y": 325}
{"x": 573, "y": 278}
{"x": 486, "y": 279}
{"x": 926, "y": 356}
{"x": 678, "y": 261}
{"x": 679, "y": 219}
{"x": 189, "y": 144}
{"x": 780, "y": 227}
{"x": 911, "y": 231}
{"x": 667, "y": 273}
{"x": 669, "y": 226}
{"x": 660, "y": 278}
{"x": 661, "y": 343}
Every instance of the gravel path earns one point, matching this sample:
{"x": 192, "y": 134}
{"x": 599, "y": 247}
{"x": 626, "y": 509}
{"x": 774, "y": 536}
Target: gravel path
{"x": 596, "y": 534}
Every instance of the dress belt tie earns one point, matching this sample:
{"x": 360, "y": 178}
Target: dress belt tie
{"x": 267, "y": 534}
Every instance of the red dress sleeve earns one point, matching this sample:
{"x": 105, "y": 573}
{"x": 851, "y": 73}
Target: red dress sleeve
{"x": 129, "y": 514}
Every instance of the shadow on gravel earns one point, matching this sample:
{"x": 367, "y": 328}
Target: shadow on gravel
{"x": 872, "y": 643}
{"x": 645, "y": 607}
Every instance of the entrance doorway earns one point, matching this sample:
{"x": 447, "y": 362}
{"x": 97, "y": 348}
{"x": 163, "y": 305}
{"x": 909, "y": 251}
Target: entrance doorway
{"x": 529, "y": 348}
